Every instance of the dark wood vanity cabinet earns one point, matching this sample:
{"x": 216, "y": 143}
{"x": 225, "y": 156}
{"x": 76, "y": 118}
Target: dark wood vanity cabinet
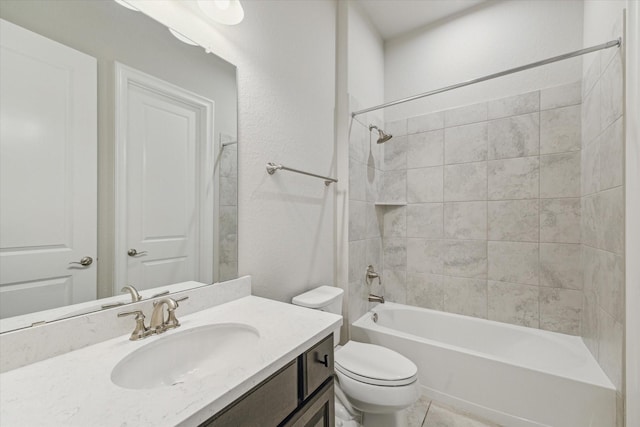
{"x": 299, "y": 395}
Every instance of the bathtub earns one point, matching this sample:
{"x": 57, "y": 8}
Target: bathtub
{"x": 511, "y": 375}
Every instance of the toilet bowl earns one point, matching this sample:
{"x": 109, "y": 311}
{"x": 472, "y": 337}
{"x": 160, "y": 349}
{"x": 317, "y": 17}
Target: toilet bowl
{"x": 375, "y": 380}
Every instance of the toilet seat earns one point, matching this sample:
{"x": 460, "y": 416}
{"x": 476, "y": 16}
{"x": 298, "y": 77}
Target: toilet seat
{"x": 375, "y": 365}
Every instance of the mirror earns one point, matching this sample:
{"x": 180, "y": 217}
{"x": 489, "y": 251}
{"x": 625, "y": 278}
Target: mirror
{"x": 119, "y": 160}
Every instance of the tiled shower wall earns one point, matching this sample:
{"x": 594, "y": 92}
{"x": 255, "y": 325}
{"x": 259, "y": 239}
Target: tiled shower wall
{"x": 365, "y": 236}
{"x": 228, "y": 243}
{"x": 603, "y": 214}
{"x": 491, "y": 226}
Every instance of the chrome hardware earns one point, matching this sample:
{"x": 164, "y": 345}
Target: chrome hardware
{"x": 134, "y": 252}
{"x": 371, "y": 274}
{"x": 135, "y": 296}
{"x": 141, "y": 331}
{"x": 158, "y": 323}
{"x": 160, "y": 294}
{"x": 112, "y": 305}
{"x": 376, "y": 298}
{"x": 84, "y": 261}
{"x": 273, "y": 167}
{"x": 375, "y": 317}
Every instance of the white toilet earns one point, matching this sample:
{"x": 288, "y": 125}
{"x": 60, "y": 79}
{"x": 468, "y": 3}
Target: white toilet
{"x": 375, "y": 380}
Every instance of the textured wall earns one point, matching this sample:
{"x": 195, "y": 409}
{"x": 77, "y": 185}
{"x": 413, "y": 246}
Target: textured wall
{"x": 490, "y": 38}
{"x": 603, "y": 214}
{"x": 492, "y": 223}
{"x": 285, "y": 53}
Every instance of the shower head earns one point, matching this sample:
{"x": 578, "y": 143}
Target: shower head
{"x": 382, "y": 136}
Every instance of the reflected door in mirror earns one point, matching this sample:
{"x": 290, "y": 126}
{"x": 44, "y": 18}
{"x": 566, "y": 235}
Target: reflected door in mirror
{"x": 48, "y": 95}
{"x": 168, "y": 208}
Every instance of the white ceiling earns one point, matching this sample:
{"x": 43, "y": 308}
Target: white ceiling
{"x": 395, "y": 17}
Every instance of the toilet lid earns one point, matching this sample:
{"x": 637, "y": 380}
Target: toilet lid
{"x": 373, "y": 364}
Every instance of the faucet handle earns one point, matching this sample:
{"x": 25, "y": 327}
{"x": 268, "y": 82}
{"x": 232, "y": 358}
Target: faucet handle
{"x": 172, "y": 321}
{"x": 141, "y": 331}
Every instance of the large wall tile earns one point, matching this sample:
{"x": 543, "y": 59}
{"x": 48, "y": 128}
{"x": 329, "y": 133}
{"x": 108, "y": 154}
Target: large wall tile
{"x": 515, "y": 220}
{"x": 609, "y": 206}
{"x": 425, "y": 290}
{"x": 560, "y": 265}
{"x": 358, "y": 142}
{"x": 396, "y": 128}
{"x": 610, "y": 348}
{"x": 425, "y": 220}
{"x": 373, "y": 252}
{"x": 395, "y": 154}
{"x": 560, "y": 220}
{"x": 612, "y": 155}
{"x": 560, "y": 130}
{"x": 424, "y": 256}
{"x": 590, "y": 168}
{"x": 357, "y": 260}
{"x": 465, "y": 258}
{"x": 515, "y": 262}
{"x": 589, "y": 322}
{"x": 609, "y": 284}
{"x": 425, "y": 149}
{"x": 465, "y": 296}
{"x": 465, "y": 220}
{"x": 467, "y": 114}
{"x": 425, "y": 185}
{"x": 426, "y": 122}
{"x": 374, "y": 222}
{"x": 373, "y": 184}
{"x": 513, "y": 303}
{"x": 560, "y": 310}
{"x": 591, "y": 77}
{"x": 395, "y": 286}
{"x": 516, "y": 136}
{"x": 395, "y": 253}
{"x": 561, "y": 96}
{"x": 466, "y": 143}
{"x": 591, "y": 122}
{"x": 611, "y": 92}
{"x": 357, "y": 220}
{"x": 514, "y": 105}
{"x": 465, "y": 182}
{"x": 357, "y": 180}
{"x": 394, "y": 221}
{"x": 588, "y": 221}
{"x": 514, "y": 178}
{"x": 394, "y": 186}
{"x": 560, "y": 175}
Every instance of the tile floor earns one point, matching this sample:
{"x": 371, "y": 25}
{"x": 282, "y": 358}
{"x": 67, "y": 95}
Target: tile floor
{"x": 428, "y": 413}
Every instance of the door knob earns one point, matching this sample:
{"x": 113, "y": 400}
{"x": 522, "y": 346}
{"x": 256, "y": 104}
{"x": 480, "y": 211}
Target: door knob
{"x": 134, "y": 252}
{"x": 84, "y": 261}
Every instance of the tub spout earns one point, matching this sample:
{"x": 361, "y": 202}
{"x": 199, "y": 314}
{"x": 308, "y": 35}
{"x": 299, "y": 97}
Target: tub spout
{"x": 376, "y": 298}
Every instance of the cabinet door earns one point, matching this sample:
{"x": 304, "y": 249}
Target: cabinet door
{"x": 317, "y": 366}
{"x": 319, "y": 411}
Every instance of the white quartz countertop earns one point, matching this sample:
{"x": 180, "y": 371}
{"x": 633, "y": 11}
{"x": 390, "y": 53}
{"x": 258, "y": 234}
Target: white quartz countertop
{"x": 75, "y": 389}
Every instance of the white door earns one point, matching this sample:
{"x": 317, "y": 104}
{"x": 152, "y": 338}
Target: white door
{"x": 48, "y": 136}
{"x": 168, "y": 214}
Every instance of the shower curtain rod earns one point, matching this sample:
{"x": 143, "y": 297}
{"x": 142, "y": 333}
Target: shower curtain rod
{"x": 602, "y": 46}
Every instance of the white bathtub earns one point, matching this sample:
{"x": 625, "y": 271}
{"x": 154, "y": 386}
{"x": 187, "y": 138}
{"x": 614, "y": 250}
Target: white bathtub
{"x": 512, "y": 375}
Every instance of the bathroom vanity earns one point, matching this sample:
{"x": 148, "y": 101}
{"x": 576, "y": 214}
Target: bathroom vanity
{"x": 300, "y": 394}
{"x": 258, "y": 362}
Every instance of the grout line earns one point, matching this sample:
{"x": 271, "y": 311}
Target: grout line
{"x": 426, "y": 414}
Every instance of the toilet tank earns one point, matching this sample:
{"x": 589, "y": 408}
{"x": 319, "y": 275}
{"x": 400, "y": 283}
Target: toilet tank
{"x": 323, "y": 298}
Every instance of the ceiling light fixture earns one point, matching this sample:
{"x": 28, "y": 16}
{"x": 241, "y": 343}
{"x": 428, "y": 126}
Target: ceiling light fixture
{"x": 127, "y": 5}
{"x": 182, "y": 38}
{"x": 228, "y": 12}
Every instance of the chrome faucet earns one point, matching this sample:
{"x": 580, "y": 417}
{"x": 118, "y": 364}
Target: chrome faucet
{"x": 159, "y": 323}
{"x": 371, "y": 274}
{"x": 135, "y": 296}
{"x": 141, "y": 331}
{"x": 376, "y": 298}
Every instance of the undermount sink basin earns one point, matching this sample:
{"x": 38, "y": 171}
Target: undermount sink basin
{"x": 180, "y": 356}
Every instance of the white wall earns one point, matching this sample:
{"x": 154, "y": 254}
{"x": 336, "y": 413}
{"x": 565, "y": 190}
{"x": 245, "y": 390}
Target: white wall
{"x": 285, "y": 54}
{"x": 366, "y": 59}
{"x": 490, "y": 39}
